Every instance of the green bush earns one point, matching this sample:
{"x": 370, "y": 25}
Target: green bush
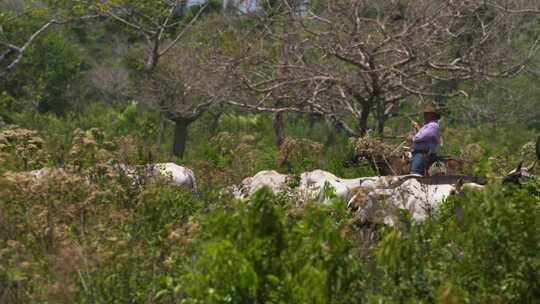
{"x": 45, "y": 75}
{"x": 67, "y": 240}
{"x": 486, "y": 254}
{"x": 261, "y": 253}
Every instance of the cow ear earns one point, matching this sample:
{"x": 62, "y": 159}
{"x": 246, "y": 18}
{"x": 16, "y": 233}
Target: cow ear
{"x": 459, "y": 185}
{"x": 531, "y": 167}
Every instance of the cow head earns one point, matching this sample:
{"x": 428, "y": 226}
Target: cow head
{"x": 521, "y": 175}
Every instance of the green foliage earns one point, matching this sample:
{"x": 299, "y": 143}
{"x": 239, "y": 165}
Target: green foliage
{"x": 67, "y": 241}
{"x": 8, "y": 106}
{"x": 260, "y": 253}
{"x": 499, "y": 245}
{"x": 133, "y": 117}
{"x": 113, "y": 240}
{"x": 161, "y": 207}
{"x": 489, "y": 254}
{"x": 86, "y": 233}
{"x": 43, "y": 79}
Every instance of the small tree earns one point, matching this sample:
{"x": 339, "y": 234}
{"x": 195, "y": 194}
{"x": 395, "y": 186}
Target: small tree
{"x": 166, "y": 85}
{"x": 182, "y": 89}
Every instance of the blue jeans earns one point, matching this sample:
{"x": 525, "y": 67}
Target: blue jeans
{"x": 417, "y": 163}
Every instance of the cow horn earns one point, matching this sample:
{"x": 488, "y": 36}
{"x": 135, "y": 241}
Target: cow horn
{"x": 518, "y": 168}
{"x": 514, "y": 175}
{"x": 531, "y": 167}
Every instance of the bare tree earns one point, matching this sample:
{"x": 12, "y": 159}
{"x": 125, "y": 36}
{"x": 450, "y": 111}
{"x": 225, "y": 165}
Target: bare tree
{"x": 363, "y": 59}
{"x": 158, "y": 22}
{"x": 261, "y": 67}
{"x": 183, "y": 89}
{"x": 109, "y": 82}
{"x": 169, "y": 79}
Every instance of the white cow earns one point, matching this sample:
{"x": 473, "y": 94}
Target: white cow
{"x": 313, "y": 185}
{"x": 178, "y": 175}
{"x": 41, "y": 174}
{"x": 415, "y": 194}
{"x": 277, "y": 182}
{"x": 376, "y": 198}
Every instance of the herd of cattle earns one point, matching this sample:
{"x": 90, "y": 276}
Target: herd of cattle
{"x": 375, "y": 199}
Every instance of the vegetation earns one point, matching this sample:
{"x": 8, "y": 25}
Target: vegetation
{"x": 87, "y": 86}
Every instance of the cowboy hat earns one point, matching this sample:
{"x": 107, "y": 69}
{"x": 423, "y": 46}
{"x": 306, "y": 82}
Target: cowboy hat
{"x": 433, "y": 108}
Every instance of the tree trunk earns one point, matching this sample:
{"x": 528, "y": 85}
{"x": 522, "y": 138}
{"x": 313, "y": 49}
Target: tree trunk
{"x": 153, "y": 57}
{"x": 363, "y": 121}
{"x": 277, "y": 117}
{"x": 279, "y": 132}
{"x": 180, "y": 136}
{"x": 161, "y": 132}
{"x": 331, "y": 136}
{"x": 214, "y": 126}
{"x": 381, "y": 120}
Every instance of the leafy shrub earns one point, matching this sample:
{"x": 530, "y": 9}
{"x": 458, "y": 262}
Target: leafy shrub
{"x": 22, "y": 149}
{"x": 482, "y": 247}
{"x": 261, "y": 253}
{"x": 227, "y": 158}
{"x": 299, "y": 155}
{"x": 47, "y": 72}
{"x": 87, "y": 234}
{"x": 65, "y": 240}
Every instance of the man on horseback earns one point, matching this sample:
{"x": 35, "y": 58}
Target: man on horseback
{"x": 426, "y": 140}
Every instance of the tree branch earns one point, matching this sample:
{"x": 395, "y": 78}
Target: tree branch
{"x": 184, "y": 31}
{"x": 21, "y": 50}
